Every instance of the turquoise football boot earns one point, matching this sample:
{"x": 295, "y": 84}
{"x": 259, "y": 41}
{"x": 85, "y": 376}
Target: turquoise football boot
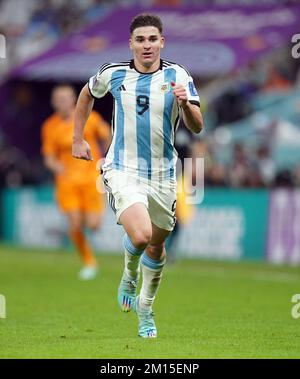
{"x": 127, "y": 293}
{"x": 147, "y": 328}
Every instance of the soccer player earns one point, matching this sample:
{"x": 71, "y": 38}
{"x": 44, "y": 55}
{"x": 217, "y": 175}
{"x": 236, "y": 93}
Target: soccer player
{"x": 76, "y": 191}
{"x": 139, "y": 171}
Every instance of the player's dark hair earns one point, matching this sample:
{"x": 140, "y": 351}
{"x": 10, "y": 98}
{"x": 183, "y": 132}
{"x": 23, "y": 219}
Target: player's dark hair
{"x": 146, "y": 19}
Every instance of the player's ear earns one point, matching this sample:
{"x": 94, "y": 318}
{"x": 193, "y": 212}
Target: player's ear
{"x": 130, "y": 43}
{"x": 162, "y": 42}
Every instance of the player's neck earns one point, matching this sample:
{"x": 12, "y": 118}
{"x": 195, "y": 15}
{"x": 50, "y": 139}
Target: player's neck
{"x": 66, "y": 115}
{"x": 147, "y": 69}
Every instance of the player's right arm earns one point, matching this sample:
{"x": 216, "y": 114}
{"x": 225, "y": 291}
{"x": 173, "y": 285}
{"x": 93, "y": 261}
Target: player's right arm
{"x": 96, "y": 88}
{"x": 85, "y": 102}
{"x": 49, "y": 147}
{"x": 188, "y": 99}
{"x": 53, "y": 164}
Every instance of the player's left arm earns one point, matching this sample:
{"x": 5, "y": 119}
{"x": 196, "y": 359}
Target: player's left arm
{"x": 191, "y": 112}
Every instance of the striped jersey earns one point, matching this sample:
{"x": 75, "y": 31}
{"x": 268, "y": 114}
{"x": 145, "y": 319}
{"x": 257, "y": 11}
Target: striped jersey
{"x": 145, "y": 116}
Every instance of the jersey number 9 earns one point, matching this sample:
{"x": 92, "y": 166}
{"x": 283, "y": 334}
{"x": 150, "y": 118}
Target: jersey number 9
{"x": 143, "y": 102}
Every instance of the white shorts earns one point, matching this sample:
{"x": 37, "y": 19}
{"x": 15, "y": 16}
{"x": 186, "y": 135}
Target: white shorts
{"x": 124, "y": 190}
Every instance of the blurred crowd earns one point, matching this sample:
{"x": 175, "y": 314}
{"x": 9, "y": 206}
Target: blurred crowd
{"x": 249, "y": 160}
{"x": 225, "y": 101}
{"x": 228, "y": 163}
{"x": 248, "y": 168}
{"x": 32, "y": 26}
{"x": 230, "y": 98}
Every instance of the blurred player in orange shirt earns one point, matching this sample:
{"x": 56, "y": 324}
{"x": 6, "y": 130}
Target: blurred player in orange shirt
{"x": 75, "y": 180}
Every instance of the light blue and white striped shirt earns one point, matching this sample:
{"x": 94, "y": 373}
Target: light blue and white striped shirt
{"x": 145, "y": 116}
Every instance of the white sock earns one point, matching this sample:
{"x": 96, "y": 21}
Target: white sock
{"x": 132, "y": 259}
{"x": 152, "y": 274}
{"x": 132, "y": 266}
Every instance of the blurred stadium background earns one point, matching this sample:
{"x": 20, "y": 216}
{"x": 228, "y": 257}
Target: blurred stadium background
{"x": 240, "y": 53}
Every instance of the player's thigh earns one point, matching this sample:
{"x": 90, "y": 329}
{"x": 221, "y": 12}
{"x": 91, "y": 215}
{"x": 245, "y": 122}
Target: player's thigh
{"x": 68, "y": 197}
{"x": 137, "y": 224}
{"x": 162, "y": 207}
{"x": 128, "y": 199}
{"x": 75, "y": 219}
{"x": 159, "y": 235}
{"x": 92, "y": 220}
{"x": 92, "y": 204}
{"x": 155, "y": 249}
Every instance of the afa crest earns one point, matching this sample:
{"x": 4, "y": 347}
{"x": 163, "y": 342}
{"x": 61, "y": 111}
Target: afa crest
{"x": 165, "y": 87}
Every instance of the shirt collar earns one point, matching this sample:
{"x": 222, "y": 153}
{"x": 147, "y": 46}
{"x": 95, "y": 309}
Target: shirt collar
{"x": 132, "y": 65}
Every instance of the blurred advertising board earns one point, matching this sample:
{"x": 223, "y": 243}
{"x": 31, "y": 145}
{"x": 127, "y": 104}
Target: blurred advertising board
{"x": 31, "y": 218}
{"x": 283, "y": 244}
{"x": 229, "y": 224}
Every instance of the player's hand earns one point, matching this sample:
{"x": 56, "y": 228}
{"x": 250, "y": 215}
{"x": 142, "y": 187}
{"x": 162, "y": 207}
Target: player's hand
{"x": 59, "y": 169}
{"x": 179, "y": 93}
{"x": 81, "y": 150}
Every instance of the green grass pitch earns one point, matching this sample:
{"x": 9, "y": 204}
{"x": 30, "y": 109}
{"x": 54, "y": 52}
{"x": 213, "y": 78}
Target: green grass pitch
{"x": 203, "y": 310}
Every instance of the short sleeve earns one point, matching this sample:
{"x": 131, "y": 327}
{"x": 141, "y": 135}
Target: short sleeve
{"x": 49, "y": 146}
{"x": 187, "y": 81}
{"x": 99, "y": 83}
{"x": 191, "y": 91}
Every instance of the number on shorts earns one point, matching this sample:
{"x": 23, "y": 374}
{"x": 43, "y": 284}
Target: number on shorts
{"x": 174, "y": 206}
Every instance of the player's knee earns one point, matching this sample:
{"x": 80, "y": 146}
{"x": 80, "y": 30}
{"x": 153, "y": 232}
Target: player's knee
{"x": 94, "y": 225}
{"x": 74, "y": 225}
{"x": 141, "y": 238}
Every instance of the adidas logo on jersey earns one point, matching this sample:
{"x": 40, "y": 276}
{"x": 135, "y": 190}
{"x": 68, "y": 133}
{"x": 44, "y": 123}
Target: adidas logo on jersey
{"x": 122, "y": 88}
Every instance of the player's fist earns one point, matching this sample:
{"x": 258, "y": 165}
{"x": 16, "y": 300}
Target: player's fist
{"x": 81, "y": 150}
{"x": 179, "y": 93}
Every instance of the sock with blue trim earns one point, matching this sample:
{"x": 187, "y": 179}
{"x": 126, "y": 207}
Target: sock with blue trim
{"x": 152, "y": 274}
{"x": 132, "y": 259}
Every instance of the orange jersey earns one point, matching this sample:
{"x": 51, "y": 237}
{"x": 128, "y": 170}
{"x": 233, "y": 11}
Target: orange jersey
{"x": 57, "y": 136}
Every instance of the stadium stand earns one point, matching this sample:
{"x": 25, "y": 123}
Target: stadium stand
{"x": 255, "y": 107}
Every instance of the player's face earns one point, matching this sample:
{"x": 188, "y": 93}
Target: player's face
{"x": 63, "y": 100}
{"x": 145, "y": 43}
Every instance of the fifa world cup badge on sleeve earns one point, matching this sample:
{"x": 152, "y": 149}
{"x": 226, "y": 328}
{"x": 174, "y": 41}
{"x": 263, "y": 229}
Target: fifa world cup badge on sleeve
{"x": 192, "y": 89}
{"x": 94, "y": 81}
